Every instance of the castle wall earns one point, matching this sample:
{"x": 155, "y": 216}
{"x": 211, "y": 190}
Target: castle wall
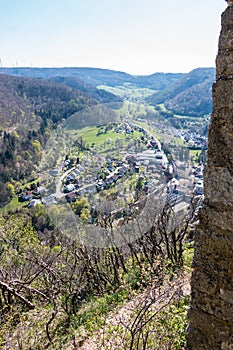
{"x": 211, "y": 311}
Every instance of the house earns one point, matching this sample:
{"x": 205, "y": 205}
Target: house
{"x": 161, "y": 158}
{"x": 171, "y": 199}
{"x": 100, "y": 186}
{"x": 198, "y": 191}
{"x": 25, "y": 196}
{"x": 121, "y": 171}
{"x": 49, "y": 200}
{"x": 69, "y": 188}
{"x": 110, "y": 168}
{"x": 115, "y": 177}
{"x": 128, "y": 129}
{"x": 34, "y": 202}
{"x": 173, "y": 184}
{"x": 131, "y": 159}
{"x": 71, "y": 197}
{"x": 118, "y": 162}
{"x": 39, "y": 191}
{"x": 159, "y": 155}
{"x": 70, "y": 177}
{"x": 153, "y": 144}
{"x": 108, "y": 181}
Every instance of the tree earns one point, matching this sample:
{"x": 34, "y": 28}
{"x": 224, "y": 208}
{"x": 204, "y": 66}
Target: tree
{"x": 80, "y": 205}
{"x": 11, "y": 190}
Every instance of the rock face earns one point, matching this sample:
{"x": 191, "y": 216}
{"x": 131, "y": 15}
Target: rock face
{"x": 211, "y": 311}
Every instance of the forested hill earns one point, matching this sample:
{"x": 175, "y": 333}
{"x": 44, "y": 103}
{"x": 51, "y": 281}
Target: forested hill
{"x": 20, "y": 98}
{"x": 190, "y": 95}
{"x": 97, "y": 76}
{"x": 158, "y": 81}
{"x": 102, "y": 96}
{"x": 187, "y": 94}
{"x": 93, "y": 76}
{"x": 29, "y": 109}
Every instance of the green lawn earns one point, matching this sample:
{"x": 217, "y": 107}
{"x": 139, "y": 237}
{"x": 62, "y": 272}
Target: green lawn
{"x": 90, "y": 135}
{"x": 13, "y": 205}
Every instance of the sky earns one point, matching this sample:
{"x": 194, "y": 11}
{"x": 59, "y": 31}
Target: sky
{"x": 134, "y": 36}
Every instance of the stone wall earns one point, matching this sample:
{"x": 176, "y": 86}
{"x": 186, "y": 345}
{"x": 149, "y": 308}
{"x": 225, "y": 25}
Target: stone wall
{"x": 211, "y": 311}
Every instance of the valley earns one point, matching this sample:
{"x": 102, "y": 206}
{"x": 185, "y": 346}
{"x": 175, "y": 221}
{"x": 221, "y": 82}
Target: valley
{"x": 113, "y": 170}
{"x": 102, "y": 190}
{"x": 86, "y": 169}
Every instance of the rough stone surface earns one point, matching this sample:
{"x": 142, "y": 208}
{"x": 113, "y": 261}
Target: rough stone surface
{"x": 211, "y": 310}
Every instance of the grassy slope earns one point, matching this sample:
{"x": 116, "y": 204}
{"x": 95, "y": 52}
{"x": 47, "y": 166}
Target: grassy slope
{"x": 90, "y": 136}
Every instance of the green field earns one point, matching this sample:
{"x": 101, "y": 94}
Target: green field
{"x": 90, "y": 135}
{"x": 12, "y": 206}
{"x": 129, "y": 91}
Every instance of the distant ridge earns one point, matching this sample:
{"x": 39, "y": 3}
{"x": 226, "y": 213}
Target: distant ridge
{"x": 98, "y": 76}
{"x": 187, "y": 94}
{"x": 191, "y": 95}
{"x": 93, "y": 76}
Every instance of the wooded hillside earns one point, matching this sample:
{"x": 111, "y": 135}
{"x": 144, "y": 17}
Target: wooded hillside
{"x": 29, "y": 109}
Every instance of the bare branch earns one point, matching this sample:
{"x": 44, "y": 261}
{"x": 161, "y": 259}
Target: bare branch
{"x": 16, "y": 294}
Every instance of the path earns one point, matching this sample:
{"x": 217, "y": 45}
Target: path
{"x": 162, "y": 296}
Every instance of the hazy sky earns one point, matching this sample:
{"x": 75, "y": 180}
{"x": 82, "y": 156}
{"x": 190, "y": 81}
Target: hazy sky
{"x": 135, "y": 36}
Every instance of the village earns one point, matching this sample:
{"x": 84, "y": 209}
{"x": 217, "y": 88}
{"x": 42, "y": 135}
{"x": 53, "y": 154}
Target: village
{"x": 130, "y": 177}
